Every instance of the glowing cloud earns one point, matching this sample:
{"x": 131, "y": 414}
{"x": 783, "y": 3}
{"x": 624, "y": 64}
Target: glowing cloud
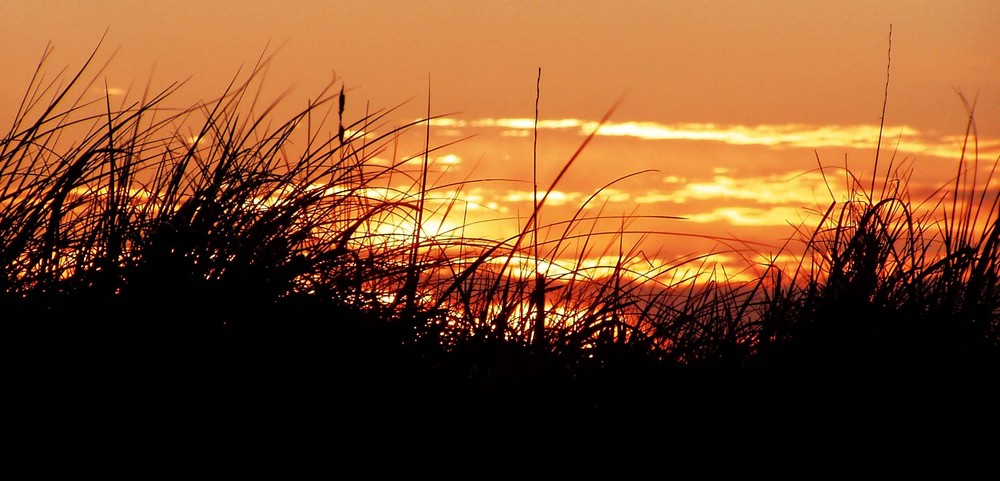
{"x": 779, "y": 136}
{"x": 525, "y": 123}
{"x": 449, "y": 159}
{"x": 442, "y": 162}
{"x": 110, "y": 91}
{"x": 556, "y": 197}
{"x": 515, "y": 133}
{"x": 446, "y": 122}
{"x": 795, "y": 135}
{"x": 750, "y": 216}
{"x": 773, "y": 189}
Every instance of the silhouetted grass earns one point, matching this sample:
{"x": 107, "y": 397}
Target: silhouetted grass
{"x": 196, "y": 257}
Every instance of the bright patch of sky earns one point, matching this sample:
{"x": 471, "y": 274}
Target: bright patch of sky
{"x": 902, "y": 138}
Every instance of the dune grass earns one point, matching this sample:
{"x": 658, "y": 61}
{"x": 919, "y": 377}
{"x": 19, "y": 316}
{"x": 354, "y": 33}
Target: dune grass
{"x": 145, "y": 245}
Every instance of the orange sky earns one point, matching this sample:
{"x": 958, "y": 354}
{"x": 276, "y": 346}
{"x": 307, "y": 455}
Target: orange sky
{"x": 726, "y": 100}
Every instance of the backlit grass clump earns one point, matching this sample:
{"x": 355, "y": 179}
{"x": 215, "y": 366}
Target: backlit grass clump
{"x": 203, "y": 249}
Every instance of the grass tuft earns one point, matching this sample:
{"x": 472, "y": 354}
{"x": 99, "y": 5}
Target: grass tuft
{"x": 214, "y": 250}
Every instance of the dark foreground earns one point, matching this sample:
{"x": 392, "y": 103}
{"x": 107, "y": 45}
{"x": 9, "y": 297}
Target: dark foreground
{"x": 348, "y": 387}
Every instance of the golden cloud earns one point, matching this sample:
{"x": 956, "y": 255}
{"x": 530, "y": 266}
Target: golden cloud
{"x": 750, "y": 216}
{"x": 903, "y": 138}
{"x": 556, "y": 197}
{"x": 772, "y": 189}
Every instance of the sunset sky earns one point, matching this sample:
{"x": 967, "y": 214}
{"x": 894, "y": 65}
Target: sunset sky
{"x": 727, "y": 104}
